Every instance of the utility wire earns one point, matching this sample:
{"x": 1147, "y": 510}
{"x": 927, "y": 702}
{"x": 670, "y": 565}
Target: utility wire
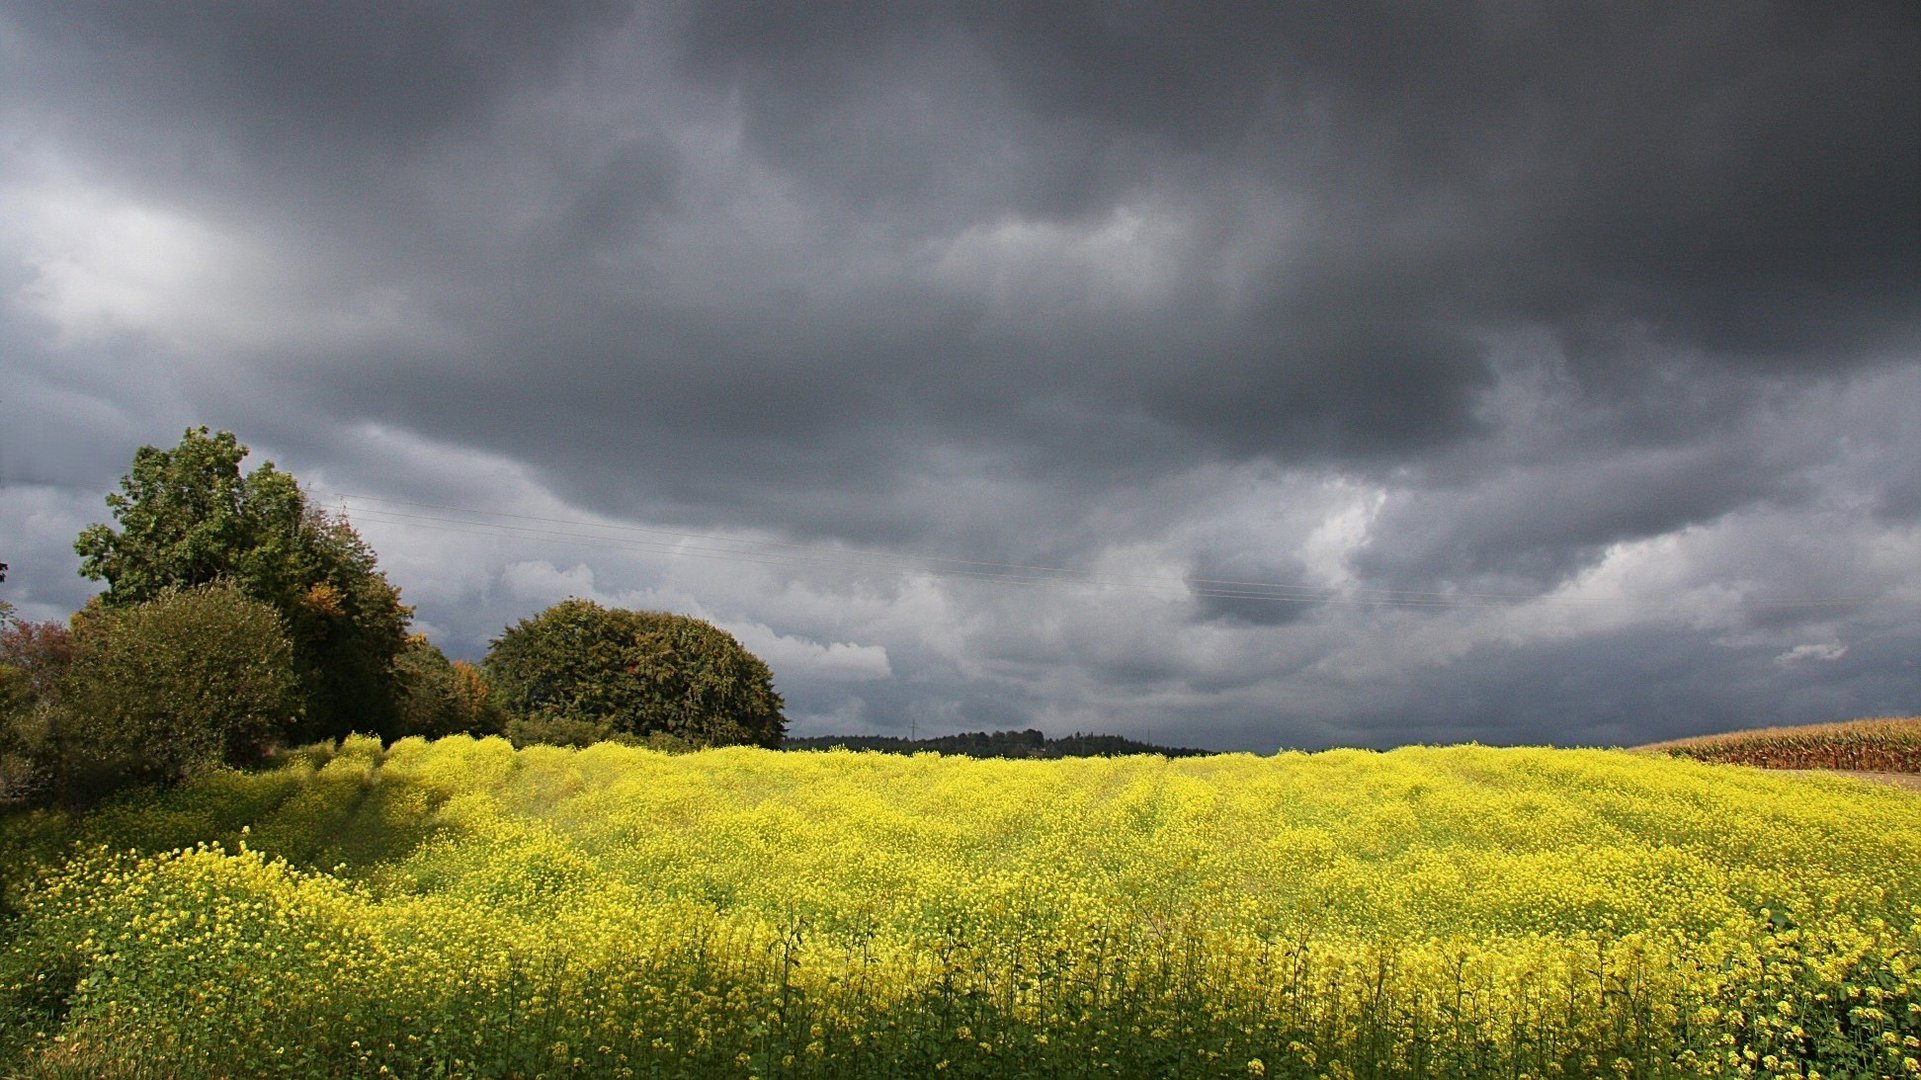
{"x": 765, "y": 552}
{"x": 1005, "y": 573}
{"x": 921, "y": 562}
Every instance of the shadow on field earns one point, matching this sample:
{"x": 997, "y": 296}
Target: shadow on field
{"x": 319, "y": 807}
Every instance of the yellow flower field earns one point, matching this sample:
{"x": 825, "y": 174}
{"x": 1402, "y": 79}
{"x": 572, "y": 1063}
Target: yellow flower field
{"x": 459, "y": 908}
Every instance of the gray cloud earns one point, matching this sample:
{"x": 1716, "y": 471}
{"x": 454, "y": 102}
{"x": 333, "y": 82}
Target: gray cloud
{"x": 1486, "y": 299}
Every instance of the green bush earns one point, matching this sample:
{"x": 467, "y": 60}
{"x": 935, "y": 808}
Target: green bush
{"x": 578, "y": 669}
{"x": 440, "y": 697}
{"x": 17, "y": 760}
{"x": 34, "y": 661}
{"x": 169, "y": 687}
{"x": 525, "y": 731}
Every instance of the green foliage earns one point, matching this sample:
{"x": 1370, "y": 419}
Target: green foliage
{"x": 441, "y": 697}
{"x": 473, "y": 701}
{"x": 34, "y": 660}
{"x": 552, "y": 730}
{"x": 639, "y": 673}
{"x": 188, "y": 517}
{"x": 525, "y": 731}
{"x": 16, "y": 696}
{"x": 995, "y": 744}
{"x": 171, "y": 686}
{"x": 17, "y": 759}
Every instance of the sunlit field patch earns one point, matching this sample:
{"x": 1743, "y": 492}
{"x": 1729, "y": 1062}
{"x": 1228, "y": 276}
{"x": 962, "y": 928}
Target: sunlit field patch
{"x": 460, "y": 908}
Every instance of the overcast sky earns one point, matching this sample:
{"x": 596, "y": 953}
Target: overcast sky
{"x": 1234, "y": 376}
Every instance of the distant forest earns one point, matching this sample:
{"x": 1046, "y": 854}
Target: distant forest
{"x": 997, "y": 744}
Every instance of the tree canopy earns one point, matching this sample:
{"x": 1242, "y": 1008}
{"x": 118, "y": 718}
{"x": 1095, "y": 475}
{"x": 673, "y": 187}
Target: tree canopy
{"x": 189, "y": 517}
{"x": 614, "y": 671}
{"x": 190, "y": 679}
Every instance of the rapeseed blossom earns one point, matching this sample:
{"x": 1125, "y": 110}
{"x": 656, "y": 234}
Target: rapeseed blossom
{"x": 459, "y": 908}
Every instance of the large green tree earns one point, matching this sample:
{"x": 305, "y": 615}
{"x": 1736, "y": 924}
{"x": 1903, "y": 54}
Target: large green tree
{"x": 581, "y": 667}
{"x": 188, "y": 516}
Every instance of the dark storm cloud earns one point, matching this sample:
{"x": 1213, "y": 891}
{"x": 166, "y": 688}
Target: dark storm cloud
{"x": 352, "y": 76}
{"x": 1737, "y": 180}
{"x": 1540, "y": 523}
{"x": 1566, "y": 481}
{"x": 1488, "y": 293}
{"x": 1633, "y": 687}
{"x": 1259, "y": 588}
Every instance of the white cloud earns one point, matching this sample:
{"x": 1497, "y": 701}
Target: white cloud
{"x": 1129, "y": 259}
{"x": 838, "y": 661}
{"x": 104, "y": 265}
{"x": 1814, "y": 652}
{"x": 542, "y": 582}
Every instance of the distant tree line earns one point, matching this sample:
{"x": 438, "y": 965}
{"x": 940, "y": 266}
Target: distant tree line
{"x": 238, "y": 619}
{"x": 996, "y": 744}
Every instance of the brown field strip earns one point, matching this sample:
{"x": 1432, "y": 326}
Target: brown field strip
{"x": 1883, "y": 745}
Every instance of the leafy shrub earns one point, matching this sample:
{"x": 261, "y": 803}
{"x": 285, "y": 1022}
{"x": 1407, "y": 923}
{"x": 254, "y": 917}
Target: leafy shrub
{"x": 473, "y": 701}
{"x": 580, "y": 668}
{"x": 16, "y": 757}
{"x": 440, "y": 697}
{"x": 525, "y": 731}
{"x": 34, "y": 660}
{"x": 169, "y": 687}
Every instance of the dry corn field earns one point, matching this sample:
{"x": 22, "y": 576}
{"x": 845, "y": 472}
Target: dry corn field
{"x": 1885, "y": 745}
{"x": 462, "y": 909}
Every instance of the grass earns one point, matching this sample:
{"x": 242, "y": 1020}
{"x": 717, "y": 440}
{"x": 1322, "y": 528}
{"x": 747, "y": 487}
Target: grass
{"x": 462, "y": 909}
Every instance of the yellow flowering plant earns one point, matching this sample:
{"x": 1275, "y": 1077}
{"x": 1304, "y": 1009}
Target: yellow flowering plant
{"x": 459, "y": 908}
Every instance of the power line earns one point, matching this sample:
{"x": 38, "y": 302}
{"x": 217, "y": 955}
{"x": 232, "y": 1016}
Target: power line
{"x": 768, "y": 552}
{"x": 922, "y": 562}
{"x": 861, "y": 561}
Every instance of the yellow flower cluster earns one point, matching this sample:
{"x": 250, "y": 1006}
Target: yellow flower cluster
{"x": 459, "y": 908}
